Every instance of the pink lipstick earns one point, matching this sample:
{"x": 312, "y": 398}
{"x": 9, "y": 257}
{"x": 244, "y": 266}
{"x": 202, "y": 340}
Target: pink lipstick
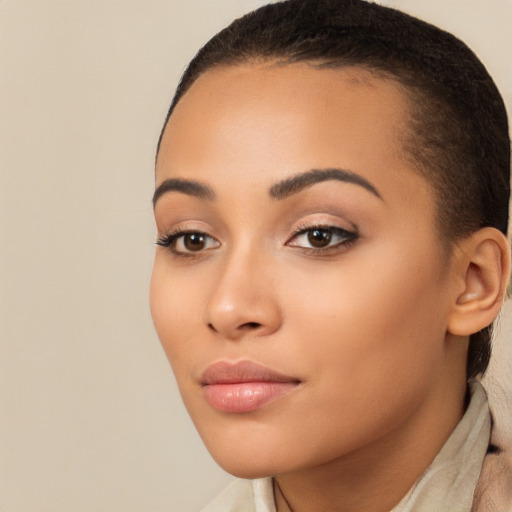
{"x": 243, "y": 386}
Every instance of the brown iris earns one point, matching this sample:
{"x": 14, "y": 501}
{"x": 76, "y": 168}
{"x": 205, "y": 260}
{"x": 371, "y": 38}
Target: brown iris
{"x": 194, "y": 241}
{"x": 319, "y": 237}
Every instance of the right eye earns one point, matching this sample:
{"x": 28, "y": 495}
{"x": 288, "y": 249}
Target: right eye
{"x": 186, "y": 243}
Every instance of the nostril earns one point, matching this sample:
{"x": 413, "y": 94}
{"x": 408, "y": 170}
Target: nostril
{"x": 250, "y": 325}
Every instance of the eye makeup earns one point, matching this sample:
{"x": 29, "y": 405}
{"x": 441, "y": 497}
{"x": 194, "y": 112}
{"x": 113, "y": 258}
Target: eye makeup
{"x": 187, "y": 243}
{"x": 311, "y": 239}
{"x": 322, "y": 239}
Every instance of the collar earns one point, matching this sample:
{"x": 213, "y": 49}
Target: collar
{"x": 449, "y": 482}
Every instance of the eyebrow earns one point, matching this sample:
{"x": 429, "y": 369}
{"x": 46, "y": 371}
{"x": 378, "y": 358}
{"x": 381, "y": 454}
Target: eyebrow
{"x": 280, "y": 190}
{"x": 295, "y": 184}
{"x": 189, "y": 187}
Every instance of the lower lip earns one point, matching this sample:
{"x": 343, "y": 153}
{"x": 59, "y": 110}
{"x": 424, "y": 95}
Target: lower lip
{"x": 243, "y": 397}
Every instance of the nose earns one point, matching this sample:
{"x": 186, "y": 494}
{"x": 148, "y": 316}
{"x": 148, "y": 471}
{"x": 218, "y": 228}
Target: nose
{"x": 243, "y": 301}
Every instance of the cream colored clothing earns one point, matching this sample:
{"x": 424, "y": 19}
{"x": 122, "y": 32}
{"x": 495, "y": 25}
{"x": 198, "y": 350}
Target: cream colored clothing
{"x": 447, "y": 485}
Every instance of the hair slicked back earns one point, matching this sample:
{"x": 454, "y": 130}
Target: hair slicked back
{"x": 458, "y": 137}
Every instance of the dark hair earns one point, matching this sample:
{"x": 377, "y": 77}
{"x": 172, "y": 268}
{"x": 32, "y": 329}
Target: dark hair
{"x": 458, "y": 137}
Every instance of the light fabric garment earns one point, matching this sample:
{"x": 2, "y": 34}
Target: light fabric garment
{"x": 447, "y": 485}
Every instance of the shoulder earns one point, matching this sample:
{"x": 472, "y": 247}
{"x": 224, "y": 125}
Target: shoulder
{"x": 494, "y": 489}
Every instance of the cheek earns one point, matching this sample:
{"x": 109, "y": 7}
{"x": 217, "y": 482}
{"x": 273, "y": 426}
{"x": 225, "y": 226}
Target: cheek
{"x": 173, "y": 305}
{"x": 370, "y": 343}
{"x": 364, "y": 332}
{"x": 360, "y": 320}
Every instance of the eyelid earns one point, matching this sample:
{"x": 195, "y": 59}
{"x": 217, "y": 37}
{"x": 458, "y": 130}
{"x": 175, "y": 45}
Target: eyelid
{"x": 169, "y": 240}
{"x": 347, "y": 237}
{"x": 185, "y": 224}
{"x": 336, "y": 229}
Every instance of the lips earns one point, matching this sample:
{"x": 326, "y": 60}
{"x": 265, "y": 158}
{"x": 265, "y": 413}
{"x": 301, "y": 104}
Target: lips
{"x": 244, "y": 386}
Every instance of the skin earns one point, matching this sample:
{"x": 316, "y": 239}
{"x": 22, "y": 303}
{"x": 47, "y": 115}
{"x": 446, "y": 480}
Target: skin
{"x": 362, "y": 325}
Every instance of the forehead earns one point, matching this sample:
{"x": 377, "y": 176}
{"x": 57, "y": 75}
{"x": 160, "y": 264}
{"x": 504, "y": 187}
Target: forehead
{"x": 260, "y": 123}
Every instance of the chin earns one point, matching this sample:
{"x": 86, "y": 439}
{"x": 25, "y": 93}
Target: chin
{"x": 247, "y": 472}
{"x": 251, "y": 459}
{"x": 242, "y": 467}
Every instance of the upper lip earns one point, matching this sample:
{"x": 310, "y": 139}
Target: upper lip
{"x": 226, "y": 372}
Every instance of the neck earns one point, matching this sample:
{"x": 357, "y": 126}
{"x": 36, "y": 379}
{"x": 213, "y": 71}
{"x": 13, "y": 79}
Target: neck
{"x": 375, "y": 477}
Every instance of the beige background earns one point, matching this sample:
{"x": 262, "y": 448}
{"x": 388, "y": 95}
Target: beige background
{"x": 90, "y": 419}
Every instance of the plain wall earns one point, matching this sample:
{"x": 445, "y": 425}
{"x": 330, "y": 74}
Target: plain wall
{"x": 90, "y": 418}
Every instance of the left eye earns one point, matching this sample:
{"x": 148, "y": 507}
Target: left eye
{"x": 321, "y": 237}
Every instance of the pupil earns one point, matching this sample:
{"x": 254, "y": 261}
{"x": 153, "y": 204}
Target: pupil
{"x": 319, "y": 237}
{"x": 194, "y": 242}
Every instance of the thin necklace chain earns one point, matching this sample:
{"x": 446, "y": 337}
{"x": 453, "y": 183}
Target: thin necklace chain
{"x": 278, "y": 489}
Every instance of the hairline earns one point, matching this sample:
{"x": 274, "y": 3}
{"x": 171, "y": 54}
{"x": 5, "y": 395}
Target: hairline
{"x": 407, "y": 138}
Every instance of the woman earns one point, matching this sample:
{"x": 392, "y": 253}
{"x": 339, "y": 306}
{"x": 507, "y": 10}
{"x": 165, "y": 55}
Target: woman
{"x": 332, "y": 186}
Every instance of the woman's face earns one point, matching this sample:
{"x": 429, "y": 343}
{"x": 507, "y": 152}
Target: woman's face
{"x": 300, "y": 290}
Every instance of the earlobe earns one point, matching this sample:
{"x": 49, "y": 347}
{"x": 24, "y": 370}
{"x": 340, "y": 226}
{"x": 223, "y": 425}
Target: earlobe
{"x": 483, "y": 271}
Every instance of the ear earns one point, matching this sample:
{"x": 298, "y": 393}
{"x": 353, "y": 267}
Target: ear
{"x": 482, "y": 272}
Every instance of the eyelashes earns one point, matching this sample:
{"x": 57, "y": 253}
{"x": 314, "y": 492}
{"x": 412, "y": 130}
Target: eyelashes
{"x": 322, "y": 238}
{"x": 313, "y": 240}
{"x": 187, "y": 242}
